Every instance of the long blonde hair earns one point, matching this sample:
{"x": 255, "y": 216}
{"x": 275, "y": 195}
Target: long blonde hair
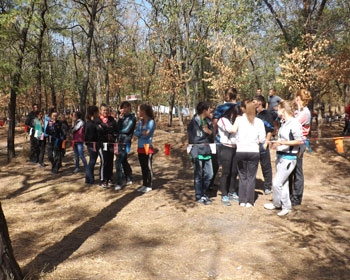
{"x": 250, "y": 111}
{"x": 287, "y": 106}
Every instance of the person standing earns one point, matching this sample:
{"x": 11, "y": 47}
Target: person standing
{"x": 259, "y": 91}
{"x": 230, "y": 99}
{"x": 289, "y": 140}
{"x": 200, "y": 135}
{"x": 107, "y": 131}
{"x": 303, "y": 115}
{"x": 272, "y": 102}
{"x": 91, "y": 141}
{"x": 228, "y": 161}
{"x": 33, "y": 156}
{"x": 144, "y": 132}
{"x": 265, "y": 157}
{"x": 250, "y": 134}
{"x": 126, "y": 126}
{"x": 54, "y": 146}
{"x": 78, "y": 140}
{"x": 39, "y": 138}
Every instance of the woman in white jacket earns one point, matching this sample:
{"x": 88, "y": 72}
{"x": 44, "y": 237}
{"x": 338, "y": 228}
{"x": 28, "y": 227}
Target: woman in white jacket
{"x": 250, "y": 134}
{"x": 289, "y": 138}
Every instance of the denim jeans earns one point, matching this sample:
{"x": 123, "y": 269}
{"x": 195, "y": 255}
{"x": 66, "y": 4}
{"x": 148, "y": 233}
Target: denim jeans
{"x": 79, "y": 153}
{"x": 89, "y": 170}
{"x": 203, "y": 173}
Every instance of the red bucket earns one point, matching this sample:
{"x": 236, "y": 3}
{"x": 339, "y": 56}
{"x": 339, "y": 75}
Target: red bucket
{"x": 167, "y": 149}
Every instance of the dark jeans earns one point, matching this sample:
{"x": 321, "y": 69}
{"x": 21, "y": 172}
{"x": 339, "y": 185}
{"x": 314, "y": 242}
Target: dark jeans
{"x": 34, "y": 149}
{"x": 229, "y": 170}
{"x": 265, "y": 162}
{"x": 121, "y": 163}
{"x": 215, "y": 163}
{"x": 146, "y": 169}
{"x": 55, "y": 153}
{"x": 247, "y": 169}
{"x": 106, "y": 166}
{"x": 203, "y": 173}
{"x": 89, "y": 170}
{"x": 296, "y": 179}
{"x": 42, "y": 146}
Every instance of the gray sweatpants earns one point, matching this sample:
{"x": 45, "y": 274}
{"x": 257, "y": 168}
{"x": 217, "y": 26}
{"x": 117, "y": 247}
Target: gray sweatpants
{"x": 281, "y": 183}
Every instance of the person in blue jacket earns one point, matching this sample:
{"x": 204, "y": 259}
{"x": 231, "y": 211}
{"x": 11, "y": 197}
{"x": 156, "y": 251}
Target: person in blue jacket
{"x": 144, "y": 132}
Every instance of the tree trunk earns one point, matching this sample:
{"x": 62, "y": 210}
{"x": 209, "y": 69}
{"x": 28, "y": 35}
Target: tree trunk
{"x": 9, "y": 268}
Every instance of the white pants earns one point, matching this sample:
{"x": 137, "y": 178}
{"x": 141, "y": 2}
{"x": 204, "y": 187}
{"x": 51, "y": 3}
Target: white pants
{"x": 281, "y": 196}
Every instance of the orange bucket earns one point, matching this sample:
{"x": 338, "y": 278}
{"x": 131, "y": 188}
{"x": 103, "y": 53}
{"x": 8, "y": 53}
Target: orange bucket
{"x": 339, "y": 144}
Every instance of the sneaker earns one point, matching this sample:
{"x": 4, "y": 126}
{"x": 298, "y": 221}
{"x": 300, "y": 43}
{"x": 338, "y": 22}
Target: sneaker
{"x": 208, "y": 200}
{"x": 104, "y": 185}
{"x": 202, "y": 200}
{"x": 269, "y": 206}
{"x": 248, "y": 205}
{"x": 242, "y": 204}
{"x": 146, "y": 189}
{"x": 76, "y": 170}
{"x": 233, "y": 196}
{"x": 129, "y": 182}
{"x": 141, "y": 189}
{"x": 118, "y": 188}
{"x": 225, "y": 200}
{"x": 268, "y": 191}
{"x": 283, "y": 212}
{"x": 41, "y": 165}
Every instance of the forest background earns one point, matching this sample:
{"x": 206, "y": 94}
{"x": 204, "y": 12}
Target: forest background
{"x": 70, "y": 54}
{"x": 73, "y": 53}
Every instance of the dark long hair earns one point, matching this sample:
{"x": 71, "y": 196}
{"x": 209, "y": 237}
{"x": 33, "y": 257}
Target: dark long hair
{"x": 91, "y": 110}
{"x": 148, "y": 110}
{"x": 233, "y": 112}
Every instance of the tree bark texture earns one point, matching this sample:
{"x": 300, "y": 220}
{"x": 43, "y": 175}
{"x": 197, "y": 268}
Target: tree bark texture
{"x": 9, "y": 268}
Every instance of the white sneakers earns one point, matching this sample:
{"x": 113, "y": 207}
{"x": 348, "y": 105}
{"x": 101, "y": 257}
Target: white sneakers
{"x": 269, "y": 206}
{"x": 144, "y": 189}
{"x": 283, "y": 212}
{"x": 118, "y": 187}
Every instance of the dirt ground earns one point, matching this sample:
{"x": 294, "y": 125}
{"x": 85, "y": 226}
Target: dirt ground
{"x": 62, "y": 229}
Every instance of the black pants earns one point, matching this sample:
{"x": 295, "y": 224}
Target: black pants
{"x": 55, "y": 153}
{"x": 247, "y": 168}
{"x": 146, "y": 169}
{"x": 296, "y": 179}
{"x": 42, "y": 146}
{"x": 265, "y": 162}
{"x": 34, "y": 149}
{"x": 106, "y": 166}
{"x": 229, "y": 173}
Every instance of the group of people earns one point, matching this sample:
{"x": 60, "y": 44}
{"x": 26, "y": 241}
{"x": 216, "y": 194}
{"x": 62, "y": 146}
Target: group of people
{"x": 239, "y": 135}
{"x": 106, "y": 136}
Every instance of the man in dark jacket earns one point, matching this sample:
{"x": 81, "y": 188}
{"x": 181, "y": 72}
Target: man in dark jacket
{"x": 201, "y": 135}
{"x": 107, "y": 131}
{"x": 265, "y": 158}
{"x": 126, "y": 126}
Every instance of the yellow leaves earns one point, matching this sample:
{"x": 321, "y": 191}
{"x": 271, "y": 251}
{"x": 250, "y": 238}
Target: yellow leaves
{"x": 228, "y": 61}
{"x": 308, "y": 66}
